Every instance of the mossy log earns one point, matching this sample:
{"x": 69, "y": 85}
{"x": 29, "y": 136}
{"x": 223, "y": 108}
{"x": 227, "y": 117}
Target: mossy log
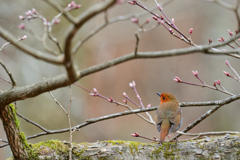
{"x": 221, "y": 147}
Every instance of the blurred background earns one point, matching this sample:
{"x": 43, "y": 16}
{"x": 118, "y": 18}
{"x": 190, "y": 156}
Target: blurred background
{"x": 208, "y": 20}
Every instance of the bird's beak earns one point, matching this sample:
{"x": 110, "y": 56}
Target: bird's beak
{"x": 159, "y": 94}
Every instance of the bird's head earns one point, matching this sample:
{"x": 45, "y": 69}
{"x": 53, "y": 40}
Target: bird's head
{"x": 167, "y": 97}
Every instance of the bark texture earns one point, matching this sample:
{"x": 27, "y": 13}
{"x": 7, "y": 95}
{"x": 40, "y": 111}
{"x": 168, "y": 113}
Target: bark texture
{"x": 16, "y": 139}
{"x": 215, "y": 148}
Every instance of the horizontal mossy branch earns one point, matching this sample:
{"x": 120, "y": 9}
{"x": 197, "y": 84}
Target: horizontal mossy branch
{"x": 226, "y": 147}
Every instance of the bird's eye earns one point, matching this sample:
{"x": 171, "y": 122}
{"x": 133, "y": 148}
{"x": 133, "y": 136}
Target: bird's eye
{"x": 163, "y": 98}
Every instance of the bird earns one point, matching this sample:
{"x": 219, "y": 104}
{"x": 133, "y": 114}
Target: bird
{"x": 168, "y": 115}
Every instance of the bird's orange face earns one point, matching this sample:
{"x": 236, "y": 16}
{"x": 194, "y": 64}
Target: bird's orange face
{"x": 167, "y": 97}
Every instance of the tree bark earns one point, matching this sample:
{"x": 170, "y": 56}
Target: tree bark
{"x": 215, "y": 148}
{"x": 16, "y": 139}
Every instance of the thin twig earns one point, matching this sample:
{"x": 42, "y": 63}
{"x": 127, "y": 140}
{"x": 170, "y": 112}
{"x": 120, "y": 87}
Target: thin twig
{"x": 13, "y": 82}
{"x": 200, "y": 119}
{"x": 34, "y": 123}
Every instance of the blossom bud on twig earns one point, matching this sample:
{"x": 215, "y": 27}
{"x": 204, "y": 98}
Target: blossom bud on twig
{"x": 135, "y": 134}
{"x": 159, "y": 7}
{"x": 210, "y": 41}
{"x": 214, "y": 84}
{"x": 191, "y": 30}
{"x": 21, "y": 26}
{"x": 131, "y": 2}
{"x": 23, "y": 37}
{"x": 226, "y": 73}
{"x": 134, "y": 20}
{"x": 124, "y": 94}
{"x": 57, "y": 21}
{"x": 230, "y": 33}
{"x": 227, "y": 63}
{"x": 110, "y": 99}
{"x": 95, "y": 90}
{"x": 21, "y": 17}
{"x": 34, "y": 11}
{"x": 177, "y": 79}
{"x": 195, "y": 73}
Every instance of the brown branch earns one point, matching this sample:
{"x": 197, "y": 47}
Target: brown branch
{"x": 13, "y": 82}
{"x": 29, "y": 50}
{"x": 57, "y": 7}
{"x": 94, "y": 120}
{"x": 82, "y": 19}
{"x": 34, "y": 123}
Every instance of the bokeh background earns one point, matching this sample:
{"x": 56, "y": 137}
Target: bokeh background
{"x": 208, "y": 20}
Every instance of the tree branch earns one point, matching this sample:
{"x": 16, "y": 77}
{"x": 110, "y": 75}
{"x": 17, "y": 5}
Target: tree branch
{"x": 33, "y": 52}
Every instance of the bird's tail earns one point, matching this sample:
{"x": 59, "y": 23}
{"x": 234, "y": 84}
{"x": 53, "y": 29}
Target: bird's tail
{"x": 164, "y": 130}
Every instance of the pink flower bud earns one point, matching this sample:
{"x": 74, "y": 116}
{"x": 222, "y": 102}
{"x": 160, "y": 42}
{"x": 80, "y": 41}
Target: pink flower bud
{"x": 230, "y": 33}
{"x": 131, "y": 2}
{"x": 173, "y": 20}
{"x": 28, "y": 13}
{"x": 177, "y": 79}
{"x": 110, "y": 99}
{"x": 134, "y": 20}
{"x": 162, "y": 18}
{"x": 191, "y": 30}
{"x": 21, "y": 17}
{"x": 124, "y": 94}
{"x": 148, "y": 20}
{"x": 23, "y": 37}
{"x": 34, "y": 11}
{"x": 154, "y": 17}
{"x": 210, "y": 41}
{"x": 120, "y": 1}
{"x": 130, "y": 85}
{"x": 92, "y": 94}
{"x": 159, "y": 7}
{"x": 220, "y": 40}
{"x": 214, "y": 84}
{"x": 21, "y": 26}
{"x": 125, "y": 101}
{"x": 227, "y": 63}
{"x": 170, "y": 30}
{"x": 46, "y": 23}
{"x": 135, "y": 134}
{"x": 138, "y": 97}
{"x": 95, "y": 90}
{"x": 218, "y": 81}
{"x": 57, "y": 21}
{"x": 149, "y": 105}
{"x": 226, "y": 73}
{"x": 195, "y": 73}
{"x": 133, "y": 83}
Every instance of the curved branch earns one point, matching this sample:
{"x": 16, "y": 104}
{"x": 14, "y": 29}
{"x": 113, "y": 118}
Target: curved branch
{"x": 21, "y": 93}
{"x": 208, "y": 49}
{"x": 33, "y": 52}
{"x": 82, "y": 19}
{"x": 55, "y": 5}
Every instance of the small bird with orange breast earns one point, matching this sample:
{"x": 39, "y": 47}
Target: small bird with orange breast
{"x": 168, "y": 115}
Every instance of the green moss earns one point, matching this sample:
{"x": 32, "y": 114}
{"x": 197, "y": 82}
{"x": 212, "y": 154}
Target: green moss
{"x": 13, "y": 113}
{"x": 49, "y": 146}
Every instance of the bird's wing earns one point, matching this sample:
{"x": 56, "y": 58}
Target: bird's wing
{"x": 176, "y": 120}
{"x": 158, "y": 119}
